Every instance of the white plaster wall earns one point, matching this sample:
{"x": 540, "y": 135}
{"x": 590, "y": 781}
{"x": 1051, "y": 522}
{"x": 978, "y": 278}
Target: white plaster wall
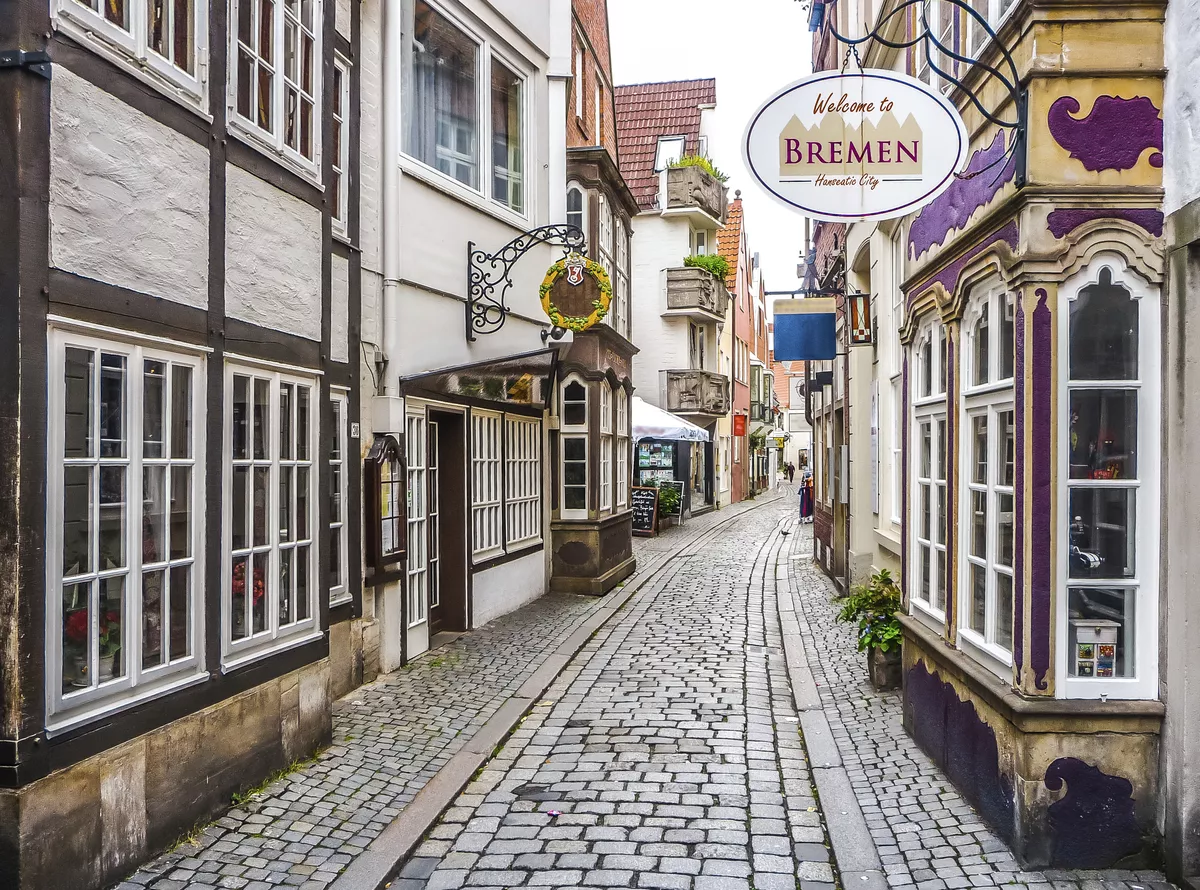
{"x": 128, "y": 196}
{"x": 339, "y": 326}
{"x": 507, "y": 587}
{"x": 370, "y": 135}
{"x": 1181, "y": 118}
{"x": 342, "y": 18}
{"x": 658, "y": 244}
{"x": 272, "y": 257}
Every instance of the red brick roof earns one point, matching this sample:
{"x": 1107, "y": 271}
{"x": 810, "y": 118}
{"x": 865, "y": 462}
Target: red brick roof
{"x": 729, "y": 241}
{"x": 646, "y": 111}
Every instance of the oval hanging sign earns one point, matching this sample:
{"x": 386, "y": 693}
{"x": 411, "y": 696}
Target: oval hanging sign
{"x": 873, "y": 144}
{"x": 576, "y": 293}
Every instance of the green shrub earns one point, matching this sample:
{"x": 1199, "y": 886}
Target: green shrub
{"x": 713, "y": 262}
{"x": 668, "y": 500}
{"x": 874, "y": 606}
{"x": 703, "y": 163}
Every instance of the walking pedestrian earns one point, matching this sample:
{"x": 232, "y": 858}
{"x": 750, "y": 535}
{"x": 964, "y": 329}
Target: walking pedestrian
{"x": 806, "y": 497}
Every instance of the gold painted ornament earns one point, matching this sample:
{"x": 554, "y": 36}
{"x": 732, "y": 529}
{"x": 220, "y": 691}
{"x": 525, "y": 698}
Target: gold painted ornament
{"x": 576, "y": 293}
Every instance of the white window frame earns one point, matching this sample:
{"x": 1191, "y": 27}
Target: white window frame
{"x": 581, "y": 222}
{"x": 341, "y": 160}
{"x": 578, "y": 72}
{"x": 131, "y": 49}
{"x": 340, "y": 402}
{"x": 137, "y": 683}
{"x": 252, "y": 647}
{"x": 897, "y": 465}
{"x": 598, "y": 121}
{"x": 997, "y": 12}
{"x": 1144, "y": 683}
{"x": 896, "y": 255}
{"x": 606, "y": 446}
{"x": 487, "y": 484}
{"x": 577, "y": 431}
{"x": 929, "y": 410}
{"x": 522, "y": 481}
{"x": 619, "y": 317}
{"x": 623, "y": 448}
{"x": 275, "y": 143}
{"x": 417, "y": 564}
{"x": 668, "y": 150}
{"x": 481, "y": 196}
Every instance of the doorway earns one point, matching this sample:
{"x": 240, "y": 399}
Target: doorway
{"x": 445, "y": 468}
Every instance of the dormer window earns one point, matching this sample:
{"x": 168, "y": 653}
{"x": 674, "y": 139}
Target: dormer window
{"x": 670, "y": 150}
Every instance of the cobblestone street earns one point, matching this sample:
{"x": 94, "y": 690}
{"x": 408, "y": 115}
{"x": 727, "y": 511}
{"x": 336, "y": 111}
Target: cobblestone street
{"x": 668, "y": 752}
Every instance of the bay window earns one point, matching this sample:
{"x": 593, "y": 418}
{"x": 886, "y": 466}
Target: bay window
{"x": 576, "y": 215}
{"x": 573, "y": 426}
{"x": 339, "y": 545}
{"x": 988, "y": 445}
{"x": 271, "y": 491}
{"x": 619, "y": 316}
{"x": 1109, "y": 514}
{"x": 452, "y": 122}
{"x": 339, "y": 183}
{"x": 275, "y": 81}
{"x": 164, "y": 39}
{"x": 606, "y": 447}
{"x": 929, "y": 470}
{"x": 125, "y": 508}
{"x": 623, "y": 448}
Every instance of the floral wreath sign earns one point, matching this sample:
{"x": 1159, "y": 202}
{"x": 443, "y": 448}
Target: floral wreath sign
{"x": 576, "y": 293}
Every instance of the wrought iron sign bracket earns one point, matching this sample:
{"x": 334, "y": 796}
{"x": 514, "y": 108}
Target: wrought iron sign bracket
{"x": 489, "y": 275}
{"x": 935, "y": 50}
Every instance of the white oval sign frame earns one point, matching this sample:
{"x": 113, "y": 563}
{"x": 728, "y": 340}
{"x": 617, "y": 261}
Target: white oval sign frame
{"x": 862, "y": 179}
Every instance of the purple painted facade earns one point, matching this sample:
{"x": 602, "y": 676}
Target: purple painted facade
{"x": 1041, "y": 574}
{"x": 1094, "y": 824}
{"x": 1060, "y": 222}
{"x": 948, "y": 275}
{"x": 1114, "y": 134}
{"x": 953, "y": 207}
{"x": 1019, "y": 493}
{"x": 951, "y": 490}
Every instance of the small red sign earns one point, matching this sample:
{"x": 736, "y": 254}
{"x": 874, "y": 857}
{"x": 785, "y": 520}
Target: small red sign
{"x": 739, "y": 424}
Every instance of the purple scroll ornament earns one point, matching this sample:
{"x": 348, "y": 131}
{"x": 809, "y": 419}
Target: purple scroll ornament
{"x": 953, "y": 207}
{"x": 1040, "y": 580}
{"x": 1114, "y": 134}
{"x": 1065, "y": 220}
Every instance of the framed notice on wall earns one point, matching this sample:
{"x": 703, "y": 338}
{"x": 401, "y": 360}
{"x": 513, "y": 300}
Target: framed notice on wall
{"x": 386, "y": 511}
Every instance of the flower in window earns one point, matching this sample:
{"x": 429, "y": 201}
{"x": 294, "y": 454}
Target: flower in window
{"x": 110, "y": 634}
{"x": 76, "y": 628}
{"x": 239, "y": 581}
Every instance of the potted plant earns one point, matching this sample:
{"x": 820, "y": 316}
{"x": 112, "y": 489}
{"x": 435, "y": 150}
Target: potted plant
{"x": 668, "y": 503}
{"x": 110, "y": 645}
{"x": 874, "y": 606}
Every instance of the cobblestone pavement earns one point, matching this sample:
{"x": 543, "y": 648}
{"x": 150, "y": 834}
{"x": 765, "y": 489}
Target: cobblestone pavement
{"x": 665, "y": 756}
{"x": 389, "y": 738}
{"x": 927, "y": 835}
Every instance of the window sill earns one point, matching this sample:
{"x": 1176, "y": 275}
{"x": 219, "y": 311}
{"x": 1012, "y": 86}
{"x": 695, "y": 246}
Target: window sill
{"x": 929, "y": 616}
{"x": 177, "y": 92}
{"x": 247, "y": 135}
{"x": 888, "y": 540}
{"x": 69, "y": 720}
{"x": 435, "y": 179}
{"x": 233, "y": 661}
{"x": 985, "y": 654}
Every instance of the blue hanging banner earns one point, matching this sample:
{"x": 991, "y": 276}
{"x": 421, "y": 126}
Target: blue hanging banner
{"x": 805, "y": 330}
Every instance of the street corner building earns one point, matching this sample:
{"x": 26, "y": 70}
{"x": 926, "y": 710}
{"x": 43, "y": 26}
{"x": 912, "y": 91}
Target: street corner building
{"x": 1015, "y": 430}
{"x": 282, "y": 407}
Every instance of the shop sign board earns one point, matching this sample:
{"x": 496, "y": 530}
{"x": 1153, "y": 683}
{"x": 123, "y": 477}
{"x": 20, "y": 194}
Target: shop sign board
{"x": 576, "y": 293}
{"x": 862, "y": 145}
{"x": 739, "y": 424}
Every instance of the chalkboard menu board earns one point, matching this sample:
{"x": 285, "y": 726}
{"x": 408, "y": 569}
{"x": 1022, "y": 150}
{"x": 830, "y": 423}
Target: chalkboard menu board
{"x": 644, "y": 502}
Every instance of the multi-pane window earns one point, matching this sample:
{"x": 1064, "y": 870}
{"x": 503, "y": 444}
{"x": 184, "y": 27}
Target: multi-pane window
{"x": 623, "y": 446}
{"x": 929, "y": 508}
{"x": 1111, "y": 350}
{"x": 896, "y": 254}
{"x": 577, "y": 79}
{"x": 487, "y": 495}
{"x": 606, "y": 447}
{"x": 417, "y": 559}
{"x": 276, "y": 82}
{"x": 270, "y": 508}
{"x": 574, "y": 445}
{"x": 619, "y": 317}
{"x": 339, "y": 547}
{"x": 338, "y": 186}
{"x": 523, "y": 480}
{"x": 166, "y": 37}
{"x": 575, "y": 212}
{"x": 508, "y": 186}
{"x": 125, "y": 507}
{"x": 450, "y": 76}
{"x": 897, "y": 446}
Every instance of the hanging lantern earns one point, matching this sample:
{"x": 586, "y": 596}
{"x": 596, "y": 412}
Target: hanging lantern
{"x": 860, "y": 319}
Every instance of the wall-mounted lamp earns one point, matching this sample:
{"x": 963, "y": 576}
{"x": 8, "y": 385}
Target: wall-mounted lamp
{"x": 860, "y": 319}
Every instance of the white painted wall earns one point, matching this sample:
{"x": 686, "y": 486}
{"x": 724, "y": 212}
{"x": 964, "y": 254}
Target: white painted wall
{"x": 1181, "y": 121}
{"x": 658, "y": 243}
{"x": 128, "y": 195}
{"x": 339, "y": 327}
{"x": 272, "y": 256}
{"x": 507, "y": 587}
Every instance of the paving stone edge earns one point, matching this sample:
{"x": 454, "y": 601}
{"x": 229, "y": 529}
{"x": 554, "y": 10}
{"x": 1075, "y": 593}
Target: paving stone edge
{"x": 372, "y": 869}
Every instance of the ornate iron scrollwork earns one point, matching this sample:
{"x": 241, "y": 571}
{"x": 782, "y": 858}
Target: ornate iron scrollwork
{"x": 935, "y": 49}
{"x": 487, "y": 272}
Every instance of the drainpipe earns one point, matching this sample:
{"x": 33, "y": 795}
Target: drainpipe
{"x": 393, "y": 55}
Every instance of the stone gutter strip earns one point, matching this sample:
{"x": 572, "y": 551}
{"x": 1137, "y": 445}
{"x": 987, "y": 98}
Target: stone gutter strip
{"x": 854, "y": 849}
{"x": 375, "y": 866}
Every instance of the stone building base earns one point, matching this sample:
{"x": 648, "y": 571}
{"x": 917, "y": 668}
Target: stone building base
{"x": 1068, "y": 784}
{"x": 591, "y": 556}
{"x": 88, "y": 825}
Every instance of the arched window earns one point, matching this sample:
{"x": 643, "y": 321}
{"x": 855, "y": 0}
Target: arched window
{"x": 573, "y": 445}
{"x": 1109, "y": 515}
{"x": 987, "y": 476}
{"x": 575, "y": 214}
{"x": 927, "y": 512}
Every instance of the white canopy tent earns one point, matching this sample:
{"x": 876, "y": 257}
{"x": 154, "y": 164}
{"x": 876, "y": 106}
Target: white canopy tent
{"x": 654, "y": 423}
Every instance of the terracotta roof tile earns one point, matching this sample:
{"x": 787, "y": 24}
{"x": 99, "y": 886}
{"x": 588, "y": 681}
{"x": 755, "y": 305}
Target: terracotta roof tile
{"x": 646, "y": 111}
{"x": 729, "y": 240}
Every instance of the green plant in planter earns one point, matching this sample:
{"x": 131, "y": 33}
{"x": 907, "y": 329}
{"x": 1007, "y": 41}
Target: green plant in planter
{"x": 704, "y": 164}
{"x": 874, "y": 606}
{"x": 711, "y": 262}
{"x": 668, "y": 500}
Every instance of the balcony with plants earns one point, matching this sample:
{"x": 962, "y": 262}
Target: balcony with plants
{"x": 697, "y": 288}
{"x": 695, "y": 189}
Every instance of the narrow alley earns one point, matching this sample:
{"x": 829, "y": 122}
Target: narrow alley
{"x": 668, "y": 752}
